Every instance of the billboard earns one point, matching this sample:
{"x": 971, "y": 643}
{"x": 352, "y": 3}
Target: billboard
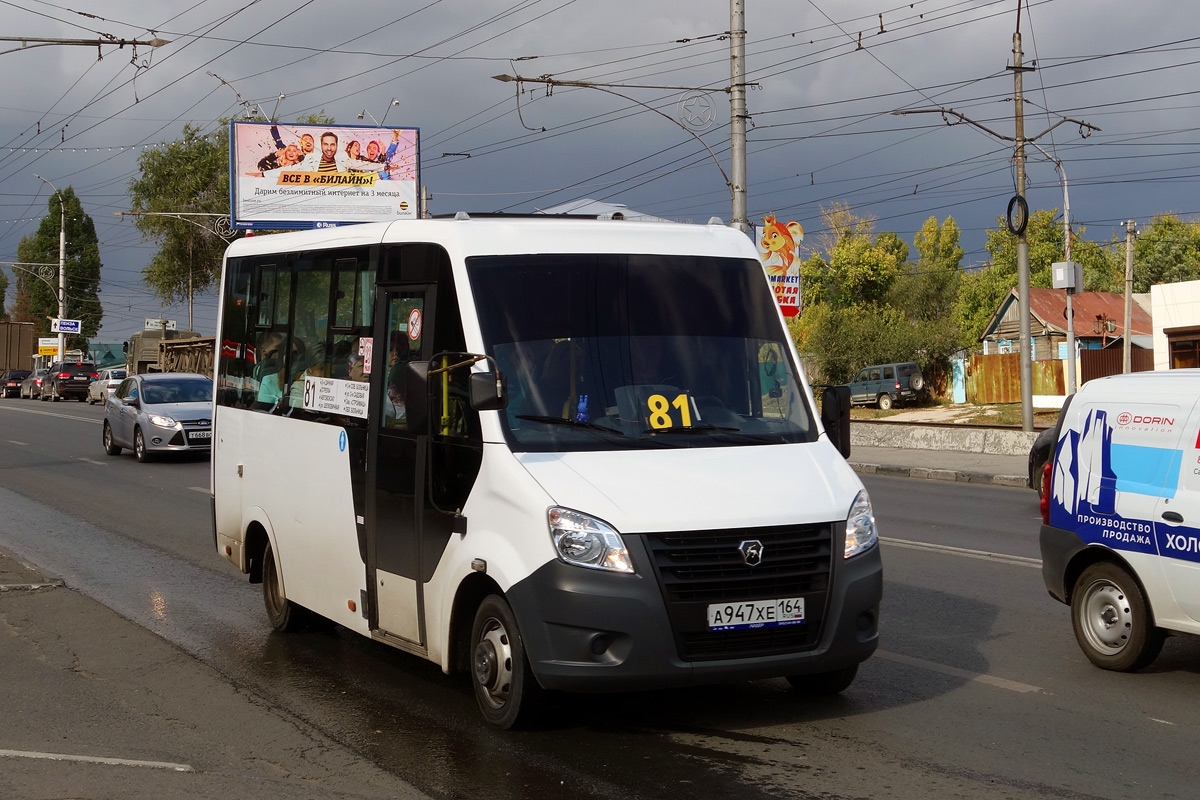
{"x": 778, "y": 252}
{"x": 310, "y": 176}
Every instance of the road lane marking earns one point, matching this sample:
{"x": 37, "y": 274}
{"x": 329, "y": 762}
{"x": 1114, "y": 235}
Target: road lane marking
{"x": 93, "y": 461}
{"x": 983, "y": 555}
{"x": 199, "y": 489}
{"x": 120, "y": 762}
{"x": 52, "y": 414}
{"x": 22, "y": 444}
{"x": 933, "y": 666}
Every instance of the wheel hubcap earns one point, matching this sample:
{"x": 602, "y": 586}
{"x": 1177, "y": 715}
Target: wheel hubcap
{"x": 1107, "y": 618}
{"x": 493, "y": 663}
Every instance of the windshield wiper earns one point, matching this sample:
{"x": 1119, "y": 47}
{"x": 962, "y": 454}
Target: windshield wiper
{"x": 574, "y": 423}
{"x": 693, "y": 429}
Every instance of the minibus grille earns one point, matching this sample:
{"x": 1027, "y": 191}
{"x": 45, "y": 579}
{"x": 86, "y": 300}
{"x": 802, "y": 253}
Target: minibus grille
{"x": 697, "y": 569}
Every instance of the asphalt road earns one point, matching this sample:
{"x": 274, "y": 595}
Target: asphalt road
{"x": 979, "y": 689}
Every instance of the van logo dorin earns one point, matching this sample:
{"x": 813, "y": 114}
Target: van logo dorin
{"x": 1125, "y": 419}
{"x": 752, "y": 552}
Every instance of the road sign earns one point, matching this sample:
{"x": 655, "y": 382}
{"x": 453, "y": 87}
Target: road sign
{"x": 64, "y": 326}
{"x": 47, "y": 346}
{"x": 155, "y": 324}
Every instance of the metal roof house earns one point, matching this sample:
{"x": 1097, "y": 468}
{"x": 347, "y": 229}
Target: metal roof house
{"x": 1099, "y": 321}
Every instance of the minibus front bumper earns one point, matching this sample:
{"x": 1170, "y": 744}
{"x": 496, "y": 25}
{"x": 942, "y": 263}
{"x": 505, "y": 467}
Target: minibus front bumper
{"x": 591, "y": 631}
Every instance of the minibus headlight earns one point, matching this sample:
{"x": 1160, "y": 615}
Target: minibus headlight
{"x": 163, "y": 422}
{"x": 585, "y": 541}
{"x": 861, "y": 534}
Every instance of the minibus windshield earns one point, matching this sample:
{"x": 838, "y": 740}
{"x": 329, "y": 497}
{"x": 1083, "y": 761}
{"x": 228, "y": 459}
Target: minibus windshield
{"x": 622, "y": 351}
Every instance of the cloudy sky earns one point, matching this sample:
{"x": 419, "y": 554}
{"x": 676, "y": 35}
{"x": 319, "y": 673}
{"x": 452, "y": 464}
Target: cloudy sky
{"x": 827, "y": 77}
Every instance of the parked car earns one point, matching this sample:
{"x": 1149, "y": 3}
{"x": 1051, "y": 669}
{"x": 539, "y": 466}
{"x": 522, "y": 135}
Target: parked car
{"x": 68, "y": 379}
{"x": 160, "y": 412}
{"x": 885, "y": 385}
{"x": 31, "y": 387}
{"x": 99, "y": 389}
{"x": 10, "y": 382}
{"x": 1039, "y": 454}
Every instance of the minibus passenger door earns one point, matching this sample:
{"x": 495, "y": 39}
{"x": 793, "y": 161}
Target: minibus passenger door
{"x": 396, "y": 471}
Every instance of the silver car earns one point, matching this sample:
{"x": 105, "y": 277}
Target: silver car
{"x": 161, "y": 412}
{"x": 103, "y": 386}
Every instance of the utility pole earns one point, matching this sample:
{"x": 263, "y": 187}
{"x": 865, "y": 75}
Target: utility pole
{"x": 62, "y": 266}
{"x": 737, "y": 112}
{"x": 1018, "y": 209}
{"x": 1022, "y": 241}
{"x": 1126, "y": 353}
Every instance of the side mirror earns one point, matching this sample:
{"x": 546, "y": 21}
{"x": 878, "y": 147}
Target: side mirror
{"x": 835, "y": 416}
{"x": 489, "y": 391}
{"x": 129, "y": 400}
{"x": 416, "y": 396}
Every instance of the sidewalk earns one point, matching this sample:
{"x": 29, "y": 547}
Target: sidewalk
{"x": 97, "y": 707}
{"x": 941, "y": 465}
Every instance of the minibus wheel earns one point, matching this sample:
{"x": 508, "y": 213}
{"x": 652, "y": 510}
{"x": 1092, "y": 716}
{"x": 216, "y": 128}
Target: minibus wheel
{"x": 1112, "y": 620}
{"x": 505, "y": 688}
{"x": 825, "y": 683}
{"x": 285, "y": 616}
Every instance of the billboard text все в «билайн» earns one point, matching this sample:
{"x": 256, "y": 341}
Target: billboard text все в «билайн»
{"x": 305, "y": 176}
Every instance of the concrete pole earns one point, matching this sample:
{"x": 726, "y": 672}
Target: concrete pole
{"x": 1070, "y": 292}
{"x": 1022, "y": 248}
{"x": 1126, "y": 355}
{"x": 737, "y": 109}
{"x": 62, "y": 274}
{"x": 62, "y": 265}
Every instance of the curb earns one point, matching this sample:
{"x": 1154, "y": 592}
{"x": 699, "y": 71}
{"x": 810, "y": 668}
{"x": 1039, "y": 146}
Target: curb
{"x": 948, "y": 475}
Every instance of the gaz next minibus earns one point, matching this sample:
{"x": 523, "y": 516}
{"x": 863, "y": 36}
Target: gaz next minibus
{"x": 555, "y": 454}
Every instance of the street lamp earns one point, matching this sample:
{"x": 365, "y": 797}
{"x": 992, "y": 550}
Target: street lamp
{"x": 62, "y": 267}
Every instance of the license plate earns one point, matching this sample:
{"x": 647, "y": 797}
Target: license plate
{"x": 199, "y": 434}
{"x": 755, "y": 614}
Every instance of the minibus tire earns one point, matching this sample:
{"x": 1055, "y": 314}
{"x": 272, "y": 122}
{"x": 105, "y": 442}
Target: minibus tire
{"x": 825, "y": 683}
{"x": 284, "y": 615}
{"x": 507, "y": 693}
{"x": 1112, "y": 620}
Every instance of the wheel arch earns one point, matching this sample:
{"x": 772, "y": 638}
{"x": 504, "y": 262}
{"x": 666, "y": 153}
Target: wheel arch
{"x": 471, "y": 592}
{"x": 1099, "y": 555}
{"x": 254, "y": 549}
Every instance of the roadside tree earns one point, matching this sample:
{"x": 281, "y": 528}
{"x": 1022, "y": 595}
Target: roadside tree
{"x": 37, "y": 301}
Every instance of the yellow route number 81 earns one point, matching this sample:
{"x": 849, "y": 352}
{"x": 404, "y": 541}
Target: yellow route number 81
{"x": 664, "y": 413}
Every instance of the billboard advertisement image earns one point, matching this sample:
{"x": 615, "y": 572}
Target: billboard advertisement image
{"x": 307, "y": 176}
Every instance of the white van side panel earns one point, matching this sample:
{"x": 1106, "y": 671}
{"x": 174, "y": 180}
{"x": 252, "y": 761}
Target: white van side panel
{"x": 313, "y": 528}
{"x": 1127, "y": 455}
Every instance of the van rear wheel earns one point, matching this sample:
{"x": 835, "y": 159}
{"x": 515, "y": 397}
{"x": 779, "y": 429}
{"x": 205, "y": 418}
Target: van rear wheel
{"x": 1113, "y": 623}
{"x": 884, "y": 401}
{"x": 507, "y": 693}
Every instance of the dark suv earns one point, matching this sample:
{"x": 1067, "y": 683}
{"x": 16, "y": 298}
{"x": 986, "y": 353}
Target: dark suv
{"x": 68, "y": 379}
{"x": 10, "y": 382}
{"x": 884, "y": 385}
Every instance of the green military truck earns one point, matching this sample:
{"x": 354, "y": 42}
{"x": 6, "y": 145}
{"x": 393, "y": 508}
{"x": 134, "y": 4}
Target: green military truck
{"x": 169, "y": 351}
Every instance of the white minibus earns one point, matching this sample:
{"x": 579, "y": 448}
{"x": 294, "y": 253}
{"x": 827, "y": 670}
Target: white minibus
{"x": 554, "y": 454}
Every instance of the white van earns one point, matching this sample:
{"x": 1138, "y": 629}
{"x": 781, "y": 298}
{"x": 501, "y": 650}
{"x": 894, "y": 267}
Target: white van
{"x": 555, "y": 454}
{"x": 1120, "y": 538}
